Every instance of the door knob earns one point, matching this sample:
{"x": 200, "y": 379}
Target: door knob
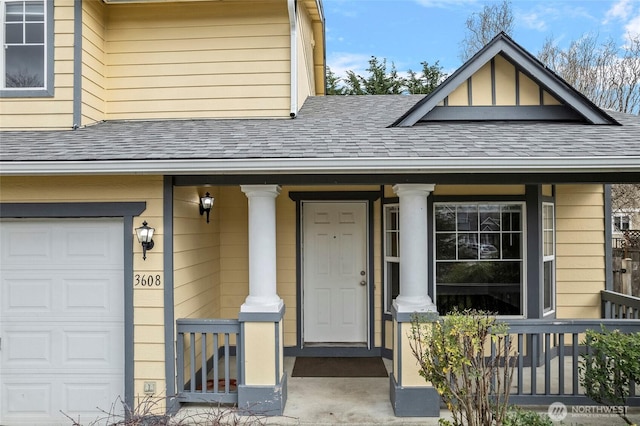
{"x": 363, "y": 282}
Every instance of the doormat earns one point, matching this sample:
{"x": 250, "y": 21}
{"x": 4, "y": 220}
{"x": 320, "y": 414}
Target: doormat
{"x": 339, "y": 367}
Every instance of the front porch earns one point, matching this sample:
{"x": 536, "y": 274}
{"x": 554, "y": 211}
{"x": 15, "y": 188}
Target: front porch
{"x": 245, "y": 361}
{"x": 549, "y": 352}
{"x": 314, "y": 401}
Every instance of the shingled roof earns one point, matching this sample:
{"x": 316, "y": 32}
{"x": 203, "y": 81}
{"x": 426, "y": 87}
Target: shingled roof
{"x": 330, "y": 134}
{"x": 371, "y": 135}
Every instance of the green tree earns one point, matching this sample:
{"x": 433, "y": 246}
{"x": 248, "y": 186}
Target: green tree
{"x": 426, "y": 82}
{"x": 610, "y": 366}
{"x": 378, "y": 82}
{"x": 333, "y": 84}
{"x": 383, "y": 81}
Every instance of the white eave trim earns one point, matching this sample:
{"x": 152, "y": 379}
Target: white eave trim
{"x": 328, "y": 165}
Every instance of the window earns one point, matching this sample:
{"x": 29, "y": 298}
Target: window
{"x": 548, "y": 256}
{"x": 479, "y": 257}
{"x": 391, "y": 253}
{"x": 26, "y": 54}
{"x": 622, "y": 223}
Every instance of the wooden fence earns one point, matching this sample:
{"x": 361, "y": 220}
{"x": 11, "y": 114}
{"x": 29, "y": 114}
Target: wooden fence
{"x": 626, "y": 263}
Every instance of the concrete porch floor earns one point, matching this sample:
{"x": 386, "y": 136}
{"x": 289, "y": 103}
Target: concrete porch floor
{"x": 365, "y": 401}
{"x": 334, "y": 400}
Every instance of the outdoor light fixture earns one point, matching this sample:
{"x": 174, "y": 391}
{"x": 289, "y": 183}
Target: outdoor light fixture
{"x": 145, "y": 237}
{"x": 206, "y": 203}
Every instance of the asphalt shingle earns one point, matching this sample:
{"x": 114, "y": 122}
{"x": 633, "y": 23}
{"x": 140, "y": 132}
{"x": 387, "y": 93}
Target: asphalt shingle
{"x": 327, "y": 126}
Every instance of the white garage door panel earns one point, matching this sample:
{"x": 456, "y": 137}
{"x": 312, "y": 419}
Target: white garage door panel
{"x": 39, "y": 403}
{"x": 88, "y": 294}
{"x": 73, "y": 242}
{"x": 61, "y": 319}
{"x": 32, "y": 398}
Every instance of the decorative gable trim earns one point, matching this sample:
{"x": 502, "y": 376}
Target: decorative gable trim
{"x": 576, "y": 106}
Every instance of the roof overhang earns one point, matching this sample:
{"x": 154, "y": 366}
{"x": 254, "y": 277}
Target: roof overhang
{"x": 283, "y": 166}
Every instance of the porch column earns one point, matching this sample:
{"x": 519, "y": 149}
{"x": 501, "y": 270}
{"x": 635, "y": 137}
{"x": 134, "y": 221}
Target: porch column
{"x": 414, "y": 278}
{"x": 262, "y": 388}
{"x": 410, "y": 394}
{"x": 263, "y": 296}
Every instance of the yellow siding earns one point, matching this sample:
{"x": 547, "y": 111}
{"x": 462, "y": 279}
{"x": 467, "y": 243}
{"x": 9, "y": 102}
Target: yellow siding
{"x": 410, "y": 366}
{"x": 260, "y": 354}
{"x": 479, "y": 190}
{"x": 93, "y": 62}
{"x": 234, "y": 257}
{"x": 505, "y": 80}
{"x": 529, "y": 91}
{"x": 503, "y": 84}
{"x": 481, "y": 86}
{"x": 48, "y": 112}
{"x": 148, "y": 302}
{"x": 306, "y": 45}
{"x": 548, "y": 99}
{"x": 388, "y": 330}
{"x": 218, "y": 59}
{"x": 286, "y": 262}
{"x": 196, "y": 256}
{"x": 580, "y": 254}
{"x": 170, "y": 61}
{"x": 319, "y": 54}
{"x": 460, "y": 96}
{"x": 377, "y": 275}
{"x": 196, "y": 263}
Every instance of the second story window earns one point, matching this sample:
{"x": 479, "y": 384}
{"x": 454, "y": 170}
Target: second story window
{"x": 24, "y": 35}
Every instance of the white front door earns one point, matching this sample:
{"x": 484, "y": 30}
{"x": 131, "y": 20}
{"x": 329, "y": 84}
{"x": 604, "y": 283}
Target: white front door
{"x": 335, "y": 272}
{"x": 61, "y": 320}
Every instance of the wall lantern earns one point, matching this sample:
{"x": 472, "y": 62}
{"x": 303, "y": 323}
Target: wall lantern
{"x": 206, "y": 203}
{"x": 145, "y": 237}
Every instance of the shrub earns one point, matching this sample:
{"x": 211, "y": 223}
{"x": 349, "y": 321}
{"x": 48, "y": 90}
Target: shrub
{"x": 146, "y": 413}
{"x": 452, "y": 355}
{"x": 612, "y": 361}
{"x": 519, "y": 417}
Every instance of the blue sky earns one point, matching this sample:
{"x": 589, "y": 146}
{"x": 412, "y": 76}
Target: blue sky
{"x": 408, "y": 32}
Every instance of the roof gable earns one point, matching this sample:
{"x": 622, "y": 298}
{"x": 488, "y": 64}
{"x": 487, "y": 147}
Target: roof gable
{"x": 499, "y": 60}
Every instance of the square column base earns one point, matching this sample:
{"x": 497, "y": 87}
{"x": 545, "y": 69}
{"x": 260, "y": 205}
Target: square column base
{"x": 262, "y": 400}
{"x": 422, "y": 401}
{"x": 262, "y": 390}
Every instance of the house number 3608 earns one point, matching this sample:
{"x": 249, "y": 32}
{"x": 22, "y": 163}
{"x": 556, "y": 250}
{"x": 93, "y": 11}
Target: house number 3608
{"x": 147, "y": 280}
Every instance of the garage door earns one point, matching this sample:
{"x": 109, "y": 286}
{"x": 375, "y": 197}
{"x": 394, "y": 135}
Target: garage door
{"x": 61, "y": 319}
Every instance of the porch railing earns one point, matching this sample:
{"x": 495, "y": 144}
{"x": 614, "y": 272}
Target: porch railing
{"x": 208, "y": 365}
{"x": 619, "y": 306}
{"x": 548, "y": 357}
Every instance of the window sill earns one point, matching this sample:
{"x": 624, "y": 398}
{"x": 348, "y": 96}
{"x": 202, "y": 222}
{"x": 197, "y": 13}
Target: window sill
{"x": 26, "y": 93}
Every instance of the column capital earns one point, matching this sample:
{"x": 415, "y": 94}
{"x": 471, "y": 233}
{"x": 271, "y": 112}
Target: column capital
{"x": 413, "y": 188}
{"x": 261, "y": 190}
